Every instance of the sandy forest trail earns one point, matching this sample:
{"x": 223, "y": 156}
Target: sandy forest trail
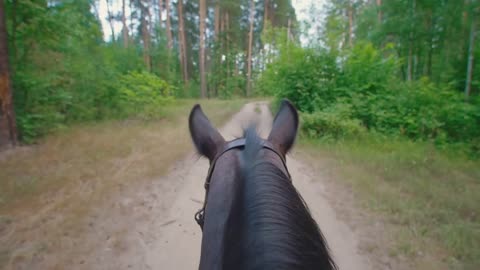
{"x": 151, "y": 226}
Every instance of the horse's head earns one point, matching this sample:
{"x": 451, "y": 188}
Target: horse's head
{"x": 227, "y": 161}
{"x": 253, "y": 217}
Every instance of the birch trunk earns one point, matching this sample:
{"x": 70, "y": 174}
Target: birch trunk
{"x": 471, "y": 47}
{"x": 350, "y": 24}
{"x": 110, "y": 20}
{"x": 160, "y": 12}
{"x": 125, "y": 26}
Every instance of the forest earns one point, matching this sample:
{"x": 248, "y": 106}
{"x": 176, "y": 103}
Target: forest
{"x": 399, "y": 67}
{"x": 388, "y": 93}
{"x": 404, "y": 67}
{"x": 64, "y": 71}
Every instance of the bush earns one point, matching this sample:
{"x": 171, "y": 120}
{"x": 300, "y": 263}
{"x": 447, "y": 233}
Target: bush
{"x": 305, "y": 76}
{"x": 51, "y": 106}
{"x": 422, "y": 110}
{"x": 367, "y": 71}
{"x": 336, "y": 123}
{"x": 143, "y": 94}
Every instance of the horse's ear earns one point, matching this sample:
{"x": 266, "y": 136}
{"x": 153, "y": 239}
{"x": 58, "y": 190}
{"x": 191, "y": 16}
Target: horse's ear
{"x": 285, "y": 125}
{"x": 206, "y": 138}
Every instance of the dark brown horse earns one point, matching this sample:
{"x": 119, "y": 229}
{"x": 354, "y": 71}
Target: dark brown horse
{"x": 253, "y": 217}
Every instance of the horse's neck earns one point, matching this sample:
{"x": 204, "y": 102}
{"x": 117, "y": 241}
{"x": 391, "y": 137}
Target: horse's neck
{"x": 220, "y": 203}
{"x": 213, "y": 244}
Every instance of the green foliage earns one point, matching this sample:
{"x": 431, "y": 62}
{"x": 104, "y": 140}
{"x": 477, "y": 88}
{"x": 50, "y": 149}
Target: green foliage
{"x": 367, "y": 70}
{"x": 304, "y": 76}
{"x": 406, "y": 87}
{"x": 53, "y": 81}
{"x": 424, "y": 110}
{"x": 429, "y": 193}
{"x": 334, "y": 123}
{"x": 224, "y": 79}
{"x": 143, "y": 94}
{"x": 63, "y": 71}
{"x": 341, "y": 98}
{"x": 232, "y": 86}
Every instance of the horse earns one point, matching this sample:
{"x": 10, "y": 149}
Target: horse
{"x": 253, "y": 217}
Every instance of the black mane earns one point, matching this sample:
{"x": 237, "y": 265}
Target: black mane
{"x": 270, "y": 226}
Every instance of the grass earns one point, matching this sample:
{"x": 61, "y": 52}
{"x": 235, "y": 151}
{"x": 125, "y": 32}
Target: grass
{"x": 122, "y": 149}
{"x": 72, "y": 171}
{"x": 431, "y": 195}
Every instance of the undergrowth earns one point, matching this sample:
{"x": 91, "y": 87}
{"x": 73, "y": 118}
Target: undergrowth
{"x": 430, "y": 193}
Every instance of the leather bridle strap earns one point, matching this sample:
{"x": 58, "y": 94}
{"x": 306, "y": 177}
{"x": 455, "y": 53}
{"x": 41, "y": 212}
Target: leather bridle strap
{"x": 238, "y": 143}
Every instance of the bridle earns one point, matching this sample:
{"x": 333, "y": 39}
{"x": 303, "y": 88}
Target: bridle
{"x": 235, "y": 144}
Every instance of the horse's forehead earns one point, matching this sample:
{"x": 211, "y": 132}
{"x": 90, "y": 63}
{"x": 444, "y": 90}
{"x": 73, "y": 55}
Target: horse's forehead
{"x": 227, "y": 164}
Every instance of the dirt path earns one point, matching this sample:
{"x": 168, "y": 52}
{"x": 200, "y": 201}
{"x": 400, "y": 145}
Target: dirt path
{"x": 152, "y": 227}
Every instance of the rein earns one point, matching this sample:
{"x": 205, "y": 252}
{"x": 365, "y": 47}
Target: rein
{"x": 235, "y": 144}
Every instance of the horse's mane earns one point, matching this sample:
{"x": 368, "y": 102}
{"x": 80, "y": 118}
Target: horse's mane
{"x": 270, "y": 226}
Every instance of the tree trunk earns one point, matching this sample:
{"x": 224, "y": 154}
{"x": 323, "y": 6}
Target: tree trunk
{"x": 110, "y": 20}
{"x": 14, "y": 31}
{"x": 379, "y": 11}
{"x": 203, "y": 78}
{"x": 216, "y": 51}
{"x": 431, "y": 23}
{"x": 266, "y": 12}
{"x": 415, "y": 65}
{"x": 8, "y": 126}
{"x": 146, "y": 46}
{"x": 350, "y": 24}
{"x": 289, "y": 30}
{"x": 168, "y": 25}
{"x": 222, "y": 30}
{"x": 144, "y": 14}
{"x": 217, "y": 21}
{"x": 182, "y": 42}
{"x": 250, "y": 47}
{"x": 410, "y": 42}
{"x": 125, "y": 26}
{"x": 266, "y": 8}
{"x": 471, "y": 47}
{"x": 227, "y": 26}
{"x": 132, "y": 10}
{"x": 160, "y": 11}
{"x": 227, "y": 36}
{"x": 410, "y": 59}
{"x": 95, "y": 11}
{"x": 465, "y": 12}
